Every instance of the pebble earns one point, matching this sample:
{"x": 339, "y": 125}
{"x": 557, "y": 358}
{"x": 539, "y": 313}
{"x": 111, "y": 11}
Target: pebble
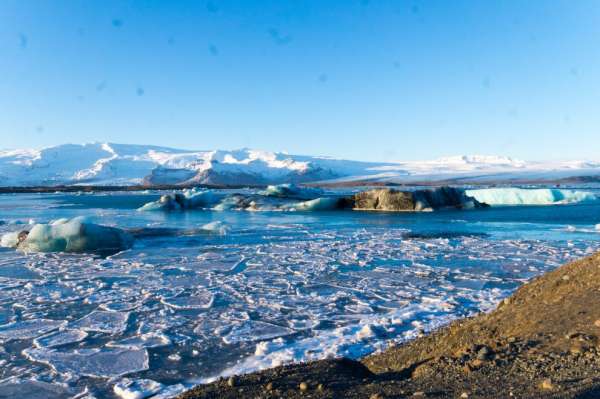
{"x": 547, "y": 384}
{"x": 269, "y": 386}
{"x": 303, "y": 386}
{"x": 577, "y": 349}
{"x": 320, "y": 388}
{"x": 464, "y": 395}
{"x": 231, "y": 382}
{"x": 376, "y": 396}
{"x": 597, "y": 323}
{"x": 483, "y": 353}
{"x": 512, "y": 340}
{"x": 419, "y": 394}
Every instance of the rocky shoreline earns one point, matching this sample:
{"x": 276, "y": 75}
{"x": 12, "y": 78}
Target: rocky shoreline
{"x": 541, "y": 342}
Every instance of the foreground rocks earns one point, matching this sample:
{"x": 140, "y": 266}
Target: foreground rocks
{"x": 541, "y": 343}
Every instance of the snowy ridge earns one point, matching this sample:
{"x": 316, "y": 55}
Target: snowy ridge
{"x": 122, "y": 164}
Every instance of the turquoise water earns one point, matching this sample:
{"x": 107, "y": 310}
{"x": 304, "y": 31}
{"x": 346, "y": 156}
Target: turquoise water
{"x": 186, "y": 304}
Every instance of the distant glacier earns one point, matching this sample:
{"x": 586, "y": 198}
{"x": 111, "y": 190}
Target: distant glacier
{"x": 123, "y": 164}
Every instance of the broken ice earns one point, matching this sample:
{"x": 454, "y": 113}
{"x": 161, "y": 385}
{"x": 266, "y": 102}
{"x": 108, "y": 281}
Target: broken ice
{"x": 101, "y": 321}
{"x": 29, "y": 328}
{"x": 92, "y": 362}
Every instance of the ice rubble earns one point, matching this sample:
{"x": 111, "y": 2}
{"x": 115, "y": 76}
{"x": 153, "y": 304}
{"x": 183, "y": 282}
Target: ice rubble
{"x": 315, "y": 293}
{"x": 538, "y": 196}
{"x": 70, "y": 235}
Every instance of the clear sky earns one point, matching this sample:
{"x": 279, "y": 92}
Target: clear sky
{"x": 360, "y": 79}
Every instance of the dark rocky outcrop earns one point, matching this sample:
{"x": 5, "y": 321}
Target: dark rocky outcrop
{"x": 387, "y": 199}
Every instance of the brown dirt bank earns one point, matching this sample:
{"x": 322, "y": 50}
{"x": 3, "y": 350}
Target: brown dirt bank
{"x": 541, "y": 342}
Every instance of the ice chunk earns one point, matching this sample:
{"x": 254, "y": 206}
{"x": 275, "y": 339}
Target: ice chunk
{"x": 201, "y": 300}
{"x": 253, "y": 330}
{"x": 521, "y": 196}
{"x": 29, "y": 328}
{"x": 31, "y": 389}
{"x": 215, "y": 227}
{"x": 102, "y": 363}
{"x": 291, "y": 191}
{"x": 320, "y": 204}
{"x": 75, "y": 235}
{"x": 101, "y": 321}
{"x": 149, "y": 340}
{"x": 10, "y": 240}
{"x": 136, "y": 389}
{"x": 60, "y": 338}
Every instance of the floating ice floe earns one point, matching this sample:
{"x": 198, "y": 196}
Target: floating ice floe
{"x": 200, "y": 300}
{"x": 60, "y": 338}
{"x": 31, "y": 389}
{"x": 101, "y": 363}
{"x": 29, "y": 328}
{"x": 74, "y": 235}
{"x": 148, "y": 340}
{"x": 101, "y": 321}
{"x": 253, "y": 330}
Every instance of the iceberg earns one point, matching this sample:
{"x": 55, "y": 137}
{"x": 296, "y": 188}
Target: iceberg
{"x": 320, "y": 204}
{"x": 70, "y": 235}
{"x": 415, "y": 201}
{"x": 291, "y": 191}
{"x": 188, "y": 199}
{"x": 521, "y": 196}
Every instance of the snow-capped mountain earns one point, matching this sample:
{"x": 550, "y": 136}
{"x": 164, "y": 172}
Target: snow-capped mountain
{"x": 122, "y": 164}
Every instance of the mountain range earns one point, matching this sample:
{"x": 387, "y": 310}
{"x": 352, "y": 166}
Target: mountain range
{"x": 125, "y": 164}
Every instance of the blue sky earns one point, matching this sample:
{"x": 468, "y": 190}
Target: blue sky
{"x": 372, "y": 80}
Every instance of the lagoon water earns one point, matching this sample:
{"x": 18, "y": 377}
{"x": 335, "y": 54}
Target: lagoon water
{"x": 187, "y": 304}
